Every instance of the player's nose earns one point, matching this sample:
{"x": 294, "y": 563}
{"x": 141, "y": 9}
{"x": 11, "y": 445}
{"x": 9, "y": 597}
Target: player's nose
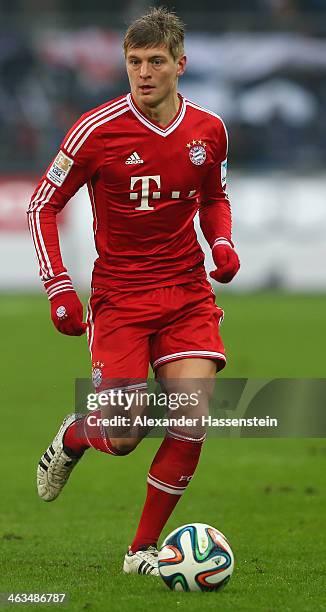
{"x": 144, "y": 70}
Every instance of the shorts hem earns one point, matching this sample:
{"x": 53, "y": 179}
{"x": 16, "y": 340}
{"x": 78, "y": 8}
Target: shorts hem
{"x": 131, "y": 387}
{"x": 213, "y": 355}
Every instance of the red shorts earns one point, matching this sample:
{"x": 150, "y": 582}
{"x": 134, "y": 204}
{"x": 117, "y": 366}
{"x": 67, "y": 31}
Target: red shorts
{"x": 128, "y": 330}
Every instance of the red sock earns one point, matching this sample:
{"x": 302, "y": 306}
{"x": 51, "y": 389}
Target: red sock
{"x": 85, "y": 433}
{"x": 171, "y": 471}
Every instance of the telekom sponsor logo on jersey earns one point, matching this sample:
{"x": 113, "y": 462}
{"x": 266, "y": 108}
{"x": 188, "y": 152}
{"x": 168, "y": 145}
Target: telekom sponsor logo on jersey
{"x": 144, "y": 205}
{"x": 155, "y": 195}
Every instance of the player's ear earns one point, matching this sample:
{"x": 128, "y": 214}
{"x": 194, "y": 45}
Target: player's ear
{"x": 181, "y": 65}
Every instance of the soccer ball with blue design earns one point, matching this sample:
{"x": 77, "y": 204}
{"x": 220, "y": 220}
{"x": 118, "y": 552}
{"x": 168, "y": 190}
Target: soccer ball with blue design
{"x": 195, "y": 557}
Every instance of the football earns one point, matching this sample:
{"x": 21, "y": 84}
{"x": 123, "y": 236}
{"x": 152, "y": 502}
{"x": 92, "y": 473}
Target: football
{"x": 195, "y": 557}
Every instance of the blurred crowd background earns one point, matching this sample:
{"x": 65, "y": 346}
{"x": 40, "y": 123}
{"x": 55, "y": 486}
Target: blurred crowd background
{"x": 261, "y": 64}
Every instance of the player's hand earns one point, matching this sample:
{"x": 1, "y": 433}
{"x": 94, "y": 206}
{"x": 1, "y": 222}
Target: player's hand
{"x": 66, "y": 307}
{"x": 226, "y": 261}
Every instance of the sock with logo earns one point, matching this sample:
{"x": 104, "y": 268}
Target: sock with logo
{"x": 85, "y": 433}
{"x": 171, "y": 471}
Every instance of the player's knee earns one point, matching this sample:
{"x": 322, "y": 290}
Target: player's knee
{"x": 124, "y": 446}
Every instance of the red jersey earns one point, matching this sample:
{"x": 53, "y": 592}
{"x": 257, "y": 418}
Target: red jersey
{"x": 145, "y": 183}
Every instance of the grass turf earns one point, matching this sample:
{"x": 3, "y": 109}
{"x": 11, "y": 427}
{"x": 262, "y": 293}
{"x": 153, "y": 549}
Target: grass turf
{"x": 267, "y": 496}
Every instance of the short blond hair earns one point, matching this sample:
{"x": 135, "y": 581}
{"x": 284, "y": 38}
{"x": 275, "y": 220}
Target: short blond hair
{"x": 159, "y": 27}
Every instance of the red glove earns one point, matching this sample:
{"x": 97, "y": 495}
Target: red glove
{"x": 226, "y": 261}
{"x": 66, "y": 308}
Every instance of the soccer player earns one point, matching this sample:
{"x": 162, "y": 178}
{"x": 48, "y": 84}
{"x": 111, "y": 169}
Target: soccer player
{"x": 151, "y": 159}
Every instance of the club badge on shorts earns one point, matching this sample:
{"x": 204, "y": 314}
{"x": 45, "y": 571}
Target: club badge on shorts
{"x": 197, "y": 152}
{"x": 97, "y": 374}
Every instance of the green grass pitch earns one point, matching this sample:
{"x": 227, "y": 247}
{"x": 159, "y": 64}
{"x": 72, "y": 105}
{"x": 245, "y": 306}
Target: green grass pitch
{"x": 266, "y": 495}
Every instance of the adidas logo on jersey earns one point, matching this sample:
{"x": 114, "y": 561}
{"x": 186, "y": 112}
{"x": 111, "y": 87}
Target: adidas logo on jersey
{"x": 134, "y": 159}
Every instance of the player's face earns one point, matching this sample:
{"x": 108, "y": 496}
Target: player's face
{"x": 153, "y": 74}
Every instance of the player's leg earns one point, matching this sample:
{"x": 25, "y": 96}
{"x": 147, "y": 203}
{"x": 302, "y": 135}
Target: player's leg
{"x": 109, "y": 428}
{"x": 193, "y": 333}
{"x": 113, "y": 347}
{"x": 176, "y": 459}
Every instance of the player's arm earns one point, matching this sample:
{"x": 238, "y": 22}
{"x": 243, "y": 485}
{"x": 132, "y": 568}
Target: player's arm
{"x": 70, "y": 169}
{"x": 215, "y": 213}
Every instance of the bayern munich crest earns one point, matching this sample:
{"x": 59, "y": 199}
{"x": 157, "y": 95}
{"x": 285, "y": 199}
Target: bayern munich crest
{"x": 97, "y": 374}
{"x": 61, "y": 312}
{"x": 197, "y": 152}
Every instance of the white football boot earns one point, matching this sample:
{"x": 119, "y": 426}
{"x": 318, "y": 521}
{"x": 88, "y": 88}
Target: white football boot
{"x": 55, "y": 466}
{"x": 142, "y": 562}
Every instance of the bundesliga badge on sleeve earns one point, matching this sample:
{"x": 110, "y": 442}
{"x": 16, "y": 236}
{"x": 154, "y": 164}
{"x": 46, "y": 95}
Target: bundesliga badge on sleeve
{"x": 60, "y": 169}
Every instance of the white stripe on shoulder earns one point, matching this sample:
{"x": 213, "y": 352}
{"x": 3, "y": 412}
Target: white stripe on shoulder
{"x": 96, "y": 125}
{"x": 209, "y": 112}
{"x": 201, "y": 108}
{"x": 83, "y": 125}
